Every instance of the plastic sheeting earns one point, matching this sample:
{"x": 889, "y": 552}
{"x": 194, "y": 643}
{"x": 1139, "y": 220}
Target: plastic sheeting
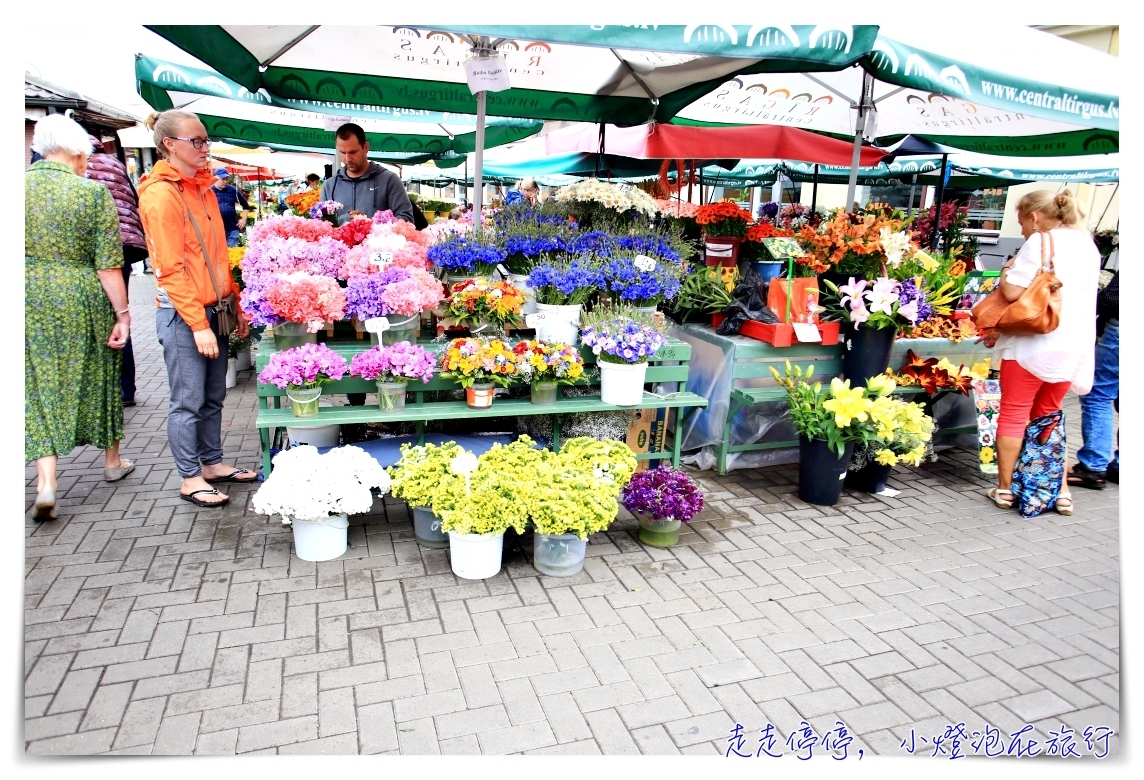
{"x": 709, "y": 375}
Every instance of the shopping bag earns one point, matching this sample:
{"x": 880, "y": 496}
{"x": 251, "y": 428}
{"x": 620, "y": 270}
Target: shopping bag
{"x": 1041, "y": 466}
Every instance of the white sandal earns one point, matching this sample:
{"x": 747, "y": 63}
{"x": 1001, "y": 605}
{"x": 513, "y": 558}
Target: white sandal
{"x": 995, "y": 495}
{"x": 1067, "y": 509}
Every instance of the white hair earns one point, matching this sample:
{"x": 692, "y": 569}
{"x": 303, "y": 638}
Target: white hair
{"x": 527, "y": 183}
{"x": 57, "y": 133}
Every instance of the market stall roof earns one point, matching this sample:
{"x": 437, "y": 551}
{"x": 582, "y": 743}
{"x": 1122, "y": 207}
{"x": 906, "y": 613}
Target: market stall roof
{"x": 43, "y": 94}
{"x": 994, "y": 89}
{"x": 670, "y": 142}
{"x": 628, "y": 81}
{"x": 231, "y": 112}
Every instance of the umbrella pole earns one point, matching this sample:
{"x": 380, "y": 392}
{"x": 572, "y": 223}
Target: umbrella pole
{"x": 690, "y": 180}
{"x": 701, "y": 192}
{"x": 937, "y": 202}
{"x": 478, "y": 181}
{"x": 814, "y": 192}
{"x": 913, "y": 186}
{"x": 860, "y": 128}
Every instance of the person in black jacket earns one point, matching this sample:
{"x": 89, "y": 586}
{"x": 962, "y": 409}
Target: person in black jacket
{"x": 1098, "y": 460}
{"x": 361, "y": 186}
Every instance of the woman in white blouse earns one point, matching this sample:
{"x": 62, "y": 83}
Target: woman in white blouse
{"x": 1037, "y": 371}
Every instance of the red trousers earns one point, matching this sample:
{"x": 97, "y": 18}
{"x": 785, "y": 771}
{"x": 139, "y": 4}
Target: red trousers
{"x": 1024, "y": 398}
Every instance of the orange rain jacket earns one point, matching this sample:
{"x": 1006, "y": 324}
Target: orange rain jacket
{"x": 176, "y": 256}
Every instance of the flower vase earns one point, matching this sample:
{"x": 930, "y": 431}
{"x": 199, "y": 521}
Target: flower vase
{"x": 659, "y": 533}
{"x": 722, "y": 250}
{"x": 304, "y": 400}
{"x": 560, "y": 324}
{"x": 871, "y": 478}
{"x": 865, "y": 352}
{"x": 288, "y": 335}
{"x": 544, "y": 393}
{"x": 321, "y": 539}
{"x": 480, "y": 395}
{"x": 391, "y": 396}
{"x": 475, "y": 556}
{"x": 427, "y": 528}
{"x": 558, "y": 555}
{"x": 621, "y": 384}
{"x": 401, "y": 329}
{"x": 821, "y": 471}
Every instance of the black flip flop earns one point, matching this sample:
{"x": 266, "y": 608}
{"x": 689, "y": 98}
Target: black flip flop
{"x": 231, "y": 478}
{"x": 1083, "y": 477}
{"x": 207, "y": 504}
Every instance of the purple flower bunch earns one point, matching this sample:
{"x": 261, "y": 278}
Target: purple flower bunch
{"x": 909, "y": 292}
{"x": 620, "y": 339}
{"x": 324, "y": 209}
{"x": 769, "y": 211}
{"x": 394, "y": 363}
{"x": 310, "y": 365}
{"x": 663, "y": 493}
{"x": 364, "y": 292}
{"x": 272, "y": 256}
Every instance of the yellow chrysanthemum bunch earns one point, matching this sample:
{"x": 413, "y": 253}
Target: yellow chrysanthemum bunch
{"x": 419, "y": 472}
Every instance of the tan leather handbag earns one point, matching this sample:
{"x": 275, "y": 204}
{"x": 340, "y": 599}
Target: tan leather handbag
{"x": 1038, "y": 310}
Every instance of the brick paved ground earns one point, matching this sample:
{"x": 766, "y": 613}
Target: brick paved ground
{"x": 151, "y": 627}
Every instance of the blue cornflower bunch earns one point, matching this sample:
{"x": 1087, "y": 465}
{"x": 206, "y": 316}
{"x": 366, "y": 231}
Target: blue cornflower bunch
{"x": 596, "y": 242}
{"x": 566, "y": 282}
{"x": 467, "y": 255}
{"x": 641, "y": 280}
{"x": 654, "y": 245}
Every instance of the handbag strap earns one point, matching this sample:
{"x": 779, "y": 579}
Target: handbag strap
{"x": 199, "y": 234}
{"x": 1048, "y": 251}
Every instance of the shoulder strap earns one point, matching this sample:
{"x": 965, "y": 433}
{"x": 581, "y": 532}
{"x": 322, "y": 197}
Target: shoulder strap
{"x": 1047, "y": 250}
{"x": 199, "y": 234}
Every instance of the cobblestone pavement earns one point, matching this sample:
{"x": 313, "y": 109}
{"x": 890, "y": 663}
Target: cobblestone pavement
{"x": 153, "y": 627}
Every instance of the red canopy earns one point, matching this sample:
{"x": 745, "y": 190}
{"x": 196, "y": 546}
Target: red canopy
{"x": 250, "y": 173}
{"x": 681, "y": 142}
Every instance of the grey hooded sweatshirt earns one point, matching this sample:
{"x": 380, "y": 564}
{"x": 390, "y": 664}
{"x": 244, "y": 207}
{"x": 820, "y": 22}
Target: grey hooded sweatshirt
{"x": 377, "y": 190}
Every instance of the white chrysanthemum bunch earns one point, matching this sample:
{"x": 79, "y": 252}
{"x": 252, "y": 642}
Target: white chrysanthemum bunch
{"x": 310, "y": 486}
{"x": 610, "y": 196}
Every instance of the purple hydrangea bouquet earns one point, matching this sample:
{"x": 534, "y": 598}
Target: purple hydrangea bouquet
{"x": 393, "y": 364}
{"x": 301, "y": 372}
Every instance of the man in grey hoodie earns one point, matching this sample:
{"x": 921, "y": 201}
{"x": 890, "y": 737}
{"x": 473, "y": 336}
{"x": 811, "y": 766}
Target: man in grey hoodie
{"x": 361, "y": 186}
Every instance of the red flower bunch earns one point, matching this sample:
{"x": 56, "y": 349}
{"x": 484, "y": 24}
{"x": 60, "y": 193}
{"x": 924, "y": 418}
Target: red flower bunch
{"x": 926, "y": 374}
{"x": 761, "y": 230}
{"x": 300, "y": 297}
{"x": 353, "y": 232}
{"x": 714, "y": 213}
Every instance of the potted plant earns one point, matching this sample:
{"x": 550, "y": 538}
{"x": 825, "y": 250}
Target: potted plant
{"x": 562, "y": 287}
{"x": 624, "y": 340}
{"x": 415, "y": 478}
{"x": 546, "y": 366}
{"x": 478, "y": 500}
{"x": 662, "y": 499}
{"x": 466, "y": 257}
{"x": 392, "y": 366}
{"x": 478, "y": 303}
{"x": 389, "y": 304}
{"x": 829, "y": 423}
{"x": 301, "y": 372}
{"x": 701, "y": 294}
{"x": 903, "y": 434}
{"x": 571, "y": 496}
{"x": 724, "y": 227}
{"x": 640, "y": 280}
{"x": 315, "y": 494}
{"x": 479, "y": 366}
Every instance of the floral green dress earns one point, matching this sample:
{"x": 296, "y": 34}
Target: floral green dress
{"x": 71, "y": 377}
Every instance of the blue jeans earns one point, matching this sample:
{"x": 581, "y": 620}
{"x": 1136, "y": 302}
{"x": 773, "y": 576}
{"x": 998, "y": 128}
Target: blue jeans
{"x": 1101, "y": 449}
{"x": 232, "y": 238}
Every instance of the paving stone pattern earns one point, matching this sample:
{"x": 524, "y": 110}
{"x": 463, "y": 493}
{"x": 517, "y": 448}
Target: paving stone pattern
{"x": 154, "y": 627}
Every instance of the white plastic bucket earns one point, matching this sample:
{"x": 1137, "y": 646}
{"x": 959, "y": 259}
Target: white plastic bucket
{"x": 520, "y": 282}
{"x": 231, "y": 372}
{"x": 475, "y": 556}
{"x": 559, "y": 324}
{"x": 322, "y": 436}
{"x": 243, "y": 359}
{"x": 323, "y": 539}
{"x": 621, "y": 384}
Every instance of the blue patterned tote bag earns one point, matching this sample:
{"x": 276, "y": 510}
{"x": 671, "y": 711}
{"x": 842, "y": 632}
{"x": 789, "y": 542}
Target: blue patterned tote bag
{"x": 1041, "y": 467}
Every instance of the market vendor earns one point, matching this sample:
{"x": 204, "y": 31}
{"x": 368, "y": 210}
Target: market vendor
{"x": 361, "y": 186}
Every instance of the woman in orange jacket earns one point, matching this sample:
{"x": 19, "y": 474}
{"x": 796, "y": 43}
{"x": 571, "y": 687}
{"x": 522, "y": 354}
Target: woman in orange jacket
{"x": 175, "y": 198}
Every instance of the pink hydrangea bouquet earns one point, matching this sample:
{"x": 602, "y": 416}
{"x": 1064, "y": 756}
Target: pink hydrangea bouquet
{"x": 307, "y": 366}
{"x": 394, "y": 290}
{"x": 398, "y": 362}
{"x": 289, "y": 226}
{"x": 301, "y": 297}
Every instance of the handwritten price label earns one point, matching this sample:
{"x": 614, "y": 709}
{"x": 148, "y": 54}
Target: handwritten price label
{"x": 381, "y": 259}
{"x": 533, "y": 320}
{"x": 667, "y": 353}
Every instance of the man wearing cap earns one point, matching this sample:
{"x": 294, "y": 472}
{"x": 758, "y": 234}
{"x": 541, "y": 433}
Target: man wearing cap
{"x": 229, "y": 199}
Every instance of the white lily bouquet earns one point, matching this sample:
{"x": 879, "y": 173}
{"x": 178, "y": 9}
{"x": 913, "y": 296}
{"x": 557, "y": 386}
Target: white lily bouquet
{"x": 309, "y": 486}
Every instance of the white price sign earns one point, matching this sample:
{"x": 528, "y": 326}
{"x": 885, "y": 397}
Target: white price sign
{"x": 332, "y": 122}
{"x": 804, "y": 331}
{"x": 381, "y": 259}
{"x": 376, "y": 324}
{"x": 533, "y": 320}
{"x": 486, "y": 74}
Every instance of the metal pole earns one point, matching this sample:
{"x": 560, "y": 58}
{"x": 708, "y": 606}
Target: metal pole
{"x": 690, "y": 179}
{"x": 814, "y": 192}
{"x": 913, "y": 186}
{"x": 937, "y": 202}
{"x": 867, "y": 85}
{"x": 478, "y": 179}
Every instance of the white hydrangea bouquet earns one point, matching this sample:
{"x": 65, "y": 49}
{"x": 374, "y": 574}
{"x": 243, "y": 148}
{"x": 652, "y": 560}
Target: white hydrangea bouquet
{"x": 310, "y": 486}
{"x": 622, "y": 199}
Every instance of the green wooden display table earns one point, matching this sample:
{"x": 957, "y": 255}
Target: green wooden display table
{"x": 669, "y": 365}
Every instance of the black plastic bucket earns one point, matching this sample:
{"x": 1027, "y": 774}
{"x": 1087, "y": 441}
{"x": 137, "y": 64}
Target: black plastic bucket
{"x": 821, "y": 471}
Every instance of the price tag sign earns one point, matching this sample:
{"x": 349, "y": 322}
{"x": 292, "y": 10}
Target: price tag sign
{"x": 804, "y": 331}
{"x": 533, "y": 320}
{"x": 381, "y": 259}
{"x": 504, "y": 272}
{"x": 376, "y": 324}
{"x": 486, "y": 74}
{"x": 332, "y": 122}
{"x": 782, "y": 248}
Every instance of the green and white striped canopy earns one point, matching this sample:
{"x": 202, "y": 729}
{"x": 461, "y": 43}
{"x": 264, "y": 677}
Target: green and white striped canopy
{"x": 627, "y": 81}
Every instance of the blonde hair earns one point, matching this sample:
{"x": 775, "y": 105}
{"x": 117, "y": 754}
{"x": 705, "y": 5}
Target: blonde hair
{"x": 58, "y": 133}
{"x": 165, "y": 124}
{"x": 1061, "y": 205}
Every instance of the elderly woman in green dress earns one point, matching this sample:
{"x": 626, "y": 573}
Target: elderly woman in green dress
{"x": 76, "y": 316}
